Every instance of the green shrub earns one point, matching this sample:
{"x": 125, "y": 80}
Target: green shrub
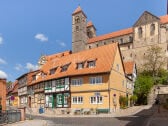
{"x": 123, "y": 101}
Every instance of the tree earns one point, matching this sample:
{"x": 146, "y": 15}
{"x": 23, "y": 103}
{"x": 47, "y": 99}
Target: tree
{"x": 143, "y": 85}
{"x": 155, "y": 60}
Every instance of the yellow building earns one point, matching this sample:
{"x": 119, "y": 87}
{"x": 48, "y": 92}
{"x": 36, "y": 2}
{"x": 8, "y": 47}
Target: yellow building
{"x": 90, "y": 79}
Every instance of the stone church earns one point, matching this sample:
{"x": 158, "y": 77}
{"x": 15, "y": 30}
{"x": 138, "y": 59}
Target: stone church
{"x": 148, "y": 30}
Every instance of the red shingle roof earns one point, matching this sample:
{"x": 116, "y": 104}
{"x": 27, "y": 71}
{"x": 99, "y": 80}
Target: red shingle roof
{"x": 89, "y": 24}
{"x": 78, "y": 9}
{"x": 111, "y": 35}
{"x": 129, "y": 67}
{"x": 104, "y": 56}
{"x": 164, "y": 19}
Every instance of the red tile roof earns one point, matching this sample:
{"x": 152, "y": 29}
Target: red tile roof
{"x": 78, "y": 9}
{"x": 129, "y": 67}
{"x": 104, "y": 56}
{"x": 111, "y": 35}
{"x": 164, "y": 19}
{"x": 89, "y": 24}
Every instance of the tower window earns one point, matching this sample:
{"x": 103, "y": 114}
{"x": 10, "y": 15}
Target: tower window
{"x": 140, "y": 32}
{"x": 77, "y": 28}
{"x": 89, "y": 33}
{"x": 77, "y": 19}
{"x": 152, "y": 29}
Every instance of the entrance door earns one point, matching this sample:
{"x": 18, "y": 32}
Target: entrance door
{"x": 30, "y": 102}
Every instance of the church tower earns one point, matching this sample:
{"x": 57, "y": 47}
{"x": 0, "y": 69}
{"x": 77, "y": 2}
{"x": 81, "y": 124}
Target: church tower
{"x": 79, "y": 30}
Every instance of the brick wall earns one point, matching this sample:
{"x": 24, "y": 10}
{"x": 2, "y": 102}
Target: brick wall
{"x": 3, "y": 93}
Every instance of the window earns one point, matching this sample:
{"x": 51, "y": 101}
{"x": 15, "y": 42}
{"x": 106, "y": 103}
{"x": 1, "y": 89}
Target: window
{"x": 121, "y": 41}
{"x": 96, "y": 100}
{"x": 77, "y": 28}
{"x": 77, "y": 100}
{"x": 52, "y": 71}
{"x": 104, "y": 43}
{"x": 128, "y": 46}
{"x": 77, "y": 82}
{"x": 130, "y": 39}
{"x": 80, "y": 65}
{"x": 65, "y": 67}
{"x": 33, "y": 77}
{"x": 95, "y": 80}
{"x": 140, "y": 32}
{"x": 77, "y": 19}
{"x": 97, "y": 45}
{"x": 90, "y": 47}
{"x": 90, "y": 34}
{"x": 91, "y": 64}
{"x": 152, "y": 29}
{"x": 117, "y": 67}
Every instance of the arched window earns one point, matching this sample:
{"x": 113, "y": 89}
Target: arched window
{"x": 140, "y": 32}
{"x": 77, "y": 19}
{"x": 77, "y": 28}
{"x": 152, "y": 29}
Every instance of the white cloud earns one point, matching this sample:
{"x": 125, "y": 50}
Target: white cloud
{"x": 18, "y": 67}
{"x": 1, "y": 39}
{"x": 62, "y": 44}
{"x": 30, "y": 66}
{"x": 3, "y": 74}
{"x": 41, "y": 37}
{"x": 2, "y": 61}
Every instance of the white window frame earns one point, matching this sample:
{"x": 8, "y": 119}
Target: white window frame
{"x": 91, "y": 64}
{"x": 96, "y": 80}
{"x": 117, "y": 67}
{"x": 96, "y": 99}
{"x": 77, "y": 100}
{"x": 80, "y": 66}
{"x": 77, "y": 82}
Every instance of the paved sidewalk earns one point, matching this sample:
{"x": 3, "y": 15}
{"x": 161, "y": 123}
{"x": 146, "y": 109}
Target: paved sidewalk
{"x": 29, "y": 123}
{"x": 159, "y": 118}
{"x": 120, "y": 113}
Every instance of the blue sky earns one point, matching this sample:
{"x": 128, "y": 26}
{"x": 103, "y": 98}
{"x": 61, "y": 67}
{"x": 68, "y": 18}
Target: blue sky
{"x": 31, "y": 28}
